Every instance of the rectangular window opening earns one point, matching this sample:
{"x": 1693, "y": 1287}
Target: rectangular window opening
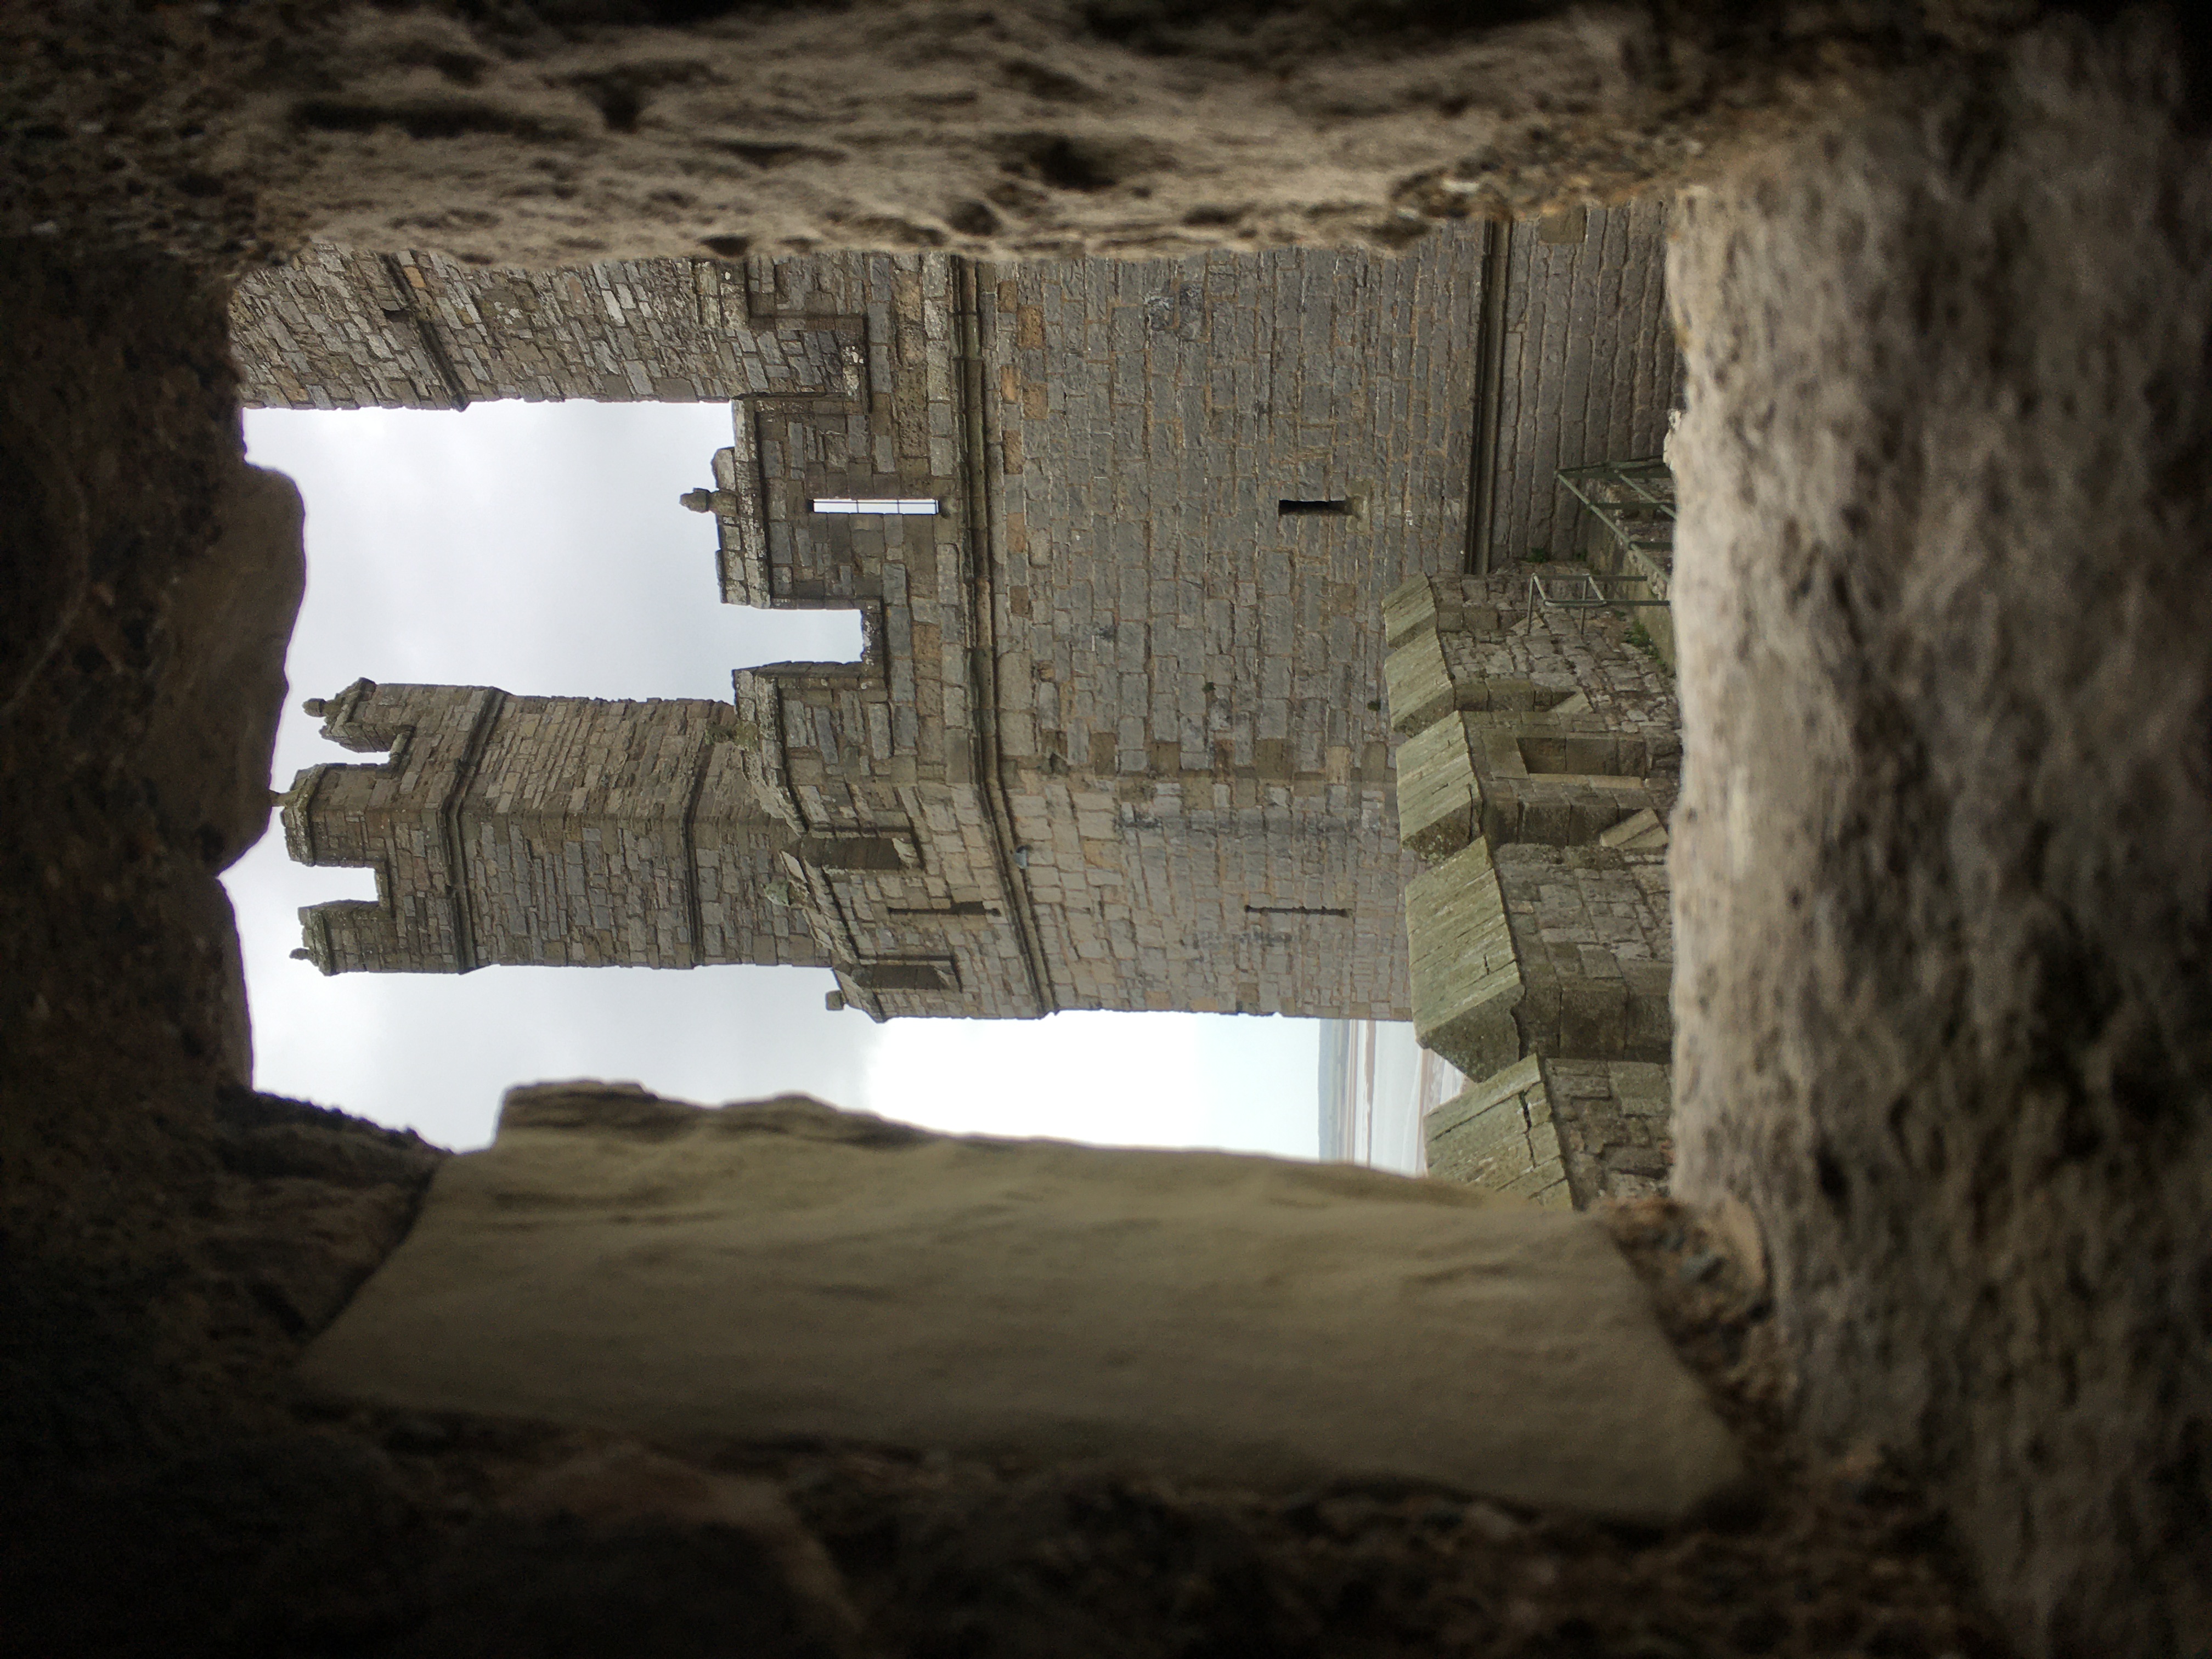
{"x": 1338, "y": 508}
{"x": 896, "y": 506}
{"x": 1294, "y": 910}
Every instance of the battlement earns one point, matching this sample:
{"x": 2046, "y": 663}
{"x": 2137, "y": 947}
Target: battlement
{"x": 1537, "y": 778}
{"x": 1521, "y": 732}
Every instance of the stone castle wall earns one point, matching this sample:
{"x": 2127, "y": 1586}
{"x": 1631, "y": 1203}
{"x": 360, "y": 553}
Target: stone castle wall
{"x": 342, "y": 329}
{"x": 1542, "y": 937}
{"x": 1574, "y": 387}
{"x": 1122, "y": 711}
{"x": 1189, "y": 673}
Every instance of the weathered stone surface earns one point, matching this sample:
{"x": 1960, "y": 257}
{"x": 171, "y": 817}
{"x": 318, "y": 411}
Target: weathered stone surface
{"x": 212, "y": 730}
{"x": 1497, "y": 1136}
{"x": 1559, "y": 1132}
{"x": 1032, "y": 130}
{"x": 1467, "y": 979}
{"x": 562, "y": 830}
{"x": 1114, "y": 614}
{"x": 1942, "y": 869}
{"x": 1537, "y": 783}
{"x": 1437, "y": 795}
{"x": 1642, "y": 831}
{"x": 1615, "y": 400}
{"x": 1567, "y": 733}
{"x": 781, "y": 1268}
{"x": 1418, "y": 685}
{"x": 1615, "y": 1123}
{"x": 1594, "y": 948}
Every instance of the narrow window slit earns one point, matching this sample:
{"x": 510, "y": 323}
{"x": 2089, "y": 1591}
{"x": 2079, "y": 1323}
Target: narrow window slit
{"x": 896, "y": 506}
{"x": 1287, "y": 507}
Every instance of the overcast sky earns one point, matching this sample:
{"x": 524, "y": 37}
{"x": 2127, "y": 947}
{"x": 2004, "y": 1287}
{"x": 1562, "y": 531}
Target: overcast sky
{"x": 540, "y": 548}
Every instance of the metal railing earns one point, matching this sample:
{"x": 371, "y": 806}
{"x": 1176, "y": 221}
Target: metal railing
{"x": 1543, "y": 600}
{"x": 1634, "y": 501}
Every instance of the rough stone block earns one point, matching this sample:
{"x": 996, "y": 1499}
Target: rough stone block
{"x": 1407, "y": 608}
{"x": 1641, "y": 831}
{"x": 1615, "y": 1124}
{"x": 624, "y": 1263}
{"x": 1593, "y": 1017}
{"x": 1436, "y": 791}
{"x": 1650, "y": 1031}
{"x": 1418, "y": 684}
{"x": 1467, "y": 979}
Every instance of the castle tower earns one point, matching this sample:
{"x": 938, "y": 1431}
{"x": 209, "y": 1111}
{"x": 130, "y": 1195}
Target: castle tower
{"x": 542, "y": 830}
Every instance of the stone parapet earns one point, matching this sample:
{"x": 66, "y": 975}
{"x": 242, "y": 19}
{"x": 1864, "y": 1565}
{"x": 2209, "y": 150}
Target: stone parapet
{"x": 1437, "y": 791}
{"x": 1625, "y": 691}
{"x": 1593, "y": 942}
{"x": 1448, "y": 602}
{"x": 1538, "y": 769}
{"x": 1518, "y": 732}
{"x": 1497, "y": 1134}
{"x": 1467, "y": 973}
{"x": 1559, "y": 778}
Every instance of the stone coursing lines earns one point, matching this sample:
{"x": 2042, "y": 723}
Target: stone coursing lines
{"x": 341, "y": 329}
{"x": 559, "y": 831}
{"x": 1207, "y": 661}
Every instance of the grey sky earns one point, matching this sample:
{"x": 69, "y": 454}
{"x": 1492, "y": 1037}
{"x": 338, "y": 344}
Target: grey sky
{"x": 540, "y": 548}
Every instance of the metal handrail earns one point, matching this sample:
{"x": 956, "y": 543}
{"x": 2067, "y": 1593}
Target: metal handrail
{"x": 1541, "y": 600}
{"x": 1635, "y": 502}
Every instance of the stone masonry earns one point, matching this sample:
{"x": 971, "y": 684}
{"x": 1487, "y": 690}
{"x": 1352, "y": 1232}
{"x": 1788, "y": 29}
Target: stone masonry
{"x": 342, "y": 329}
{"x": 1117, "y": 738}
{"x": 562, "y": 830}
{"x": 1539, "y": 769}
{"x": 1570, "y": 389}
